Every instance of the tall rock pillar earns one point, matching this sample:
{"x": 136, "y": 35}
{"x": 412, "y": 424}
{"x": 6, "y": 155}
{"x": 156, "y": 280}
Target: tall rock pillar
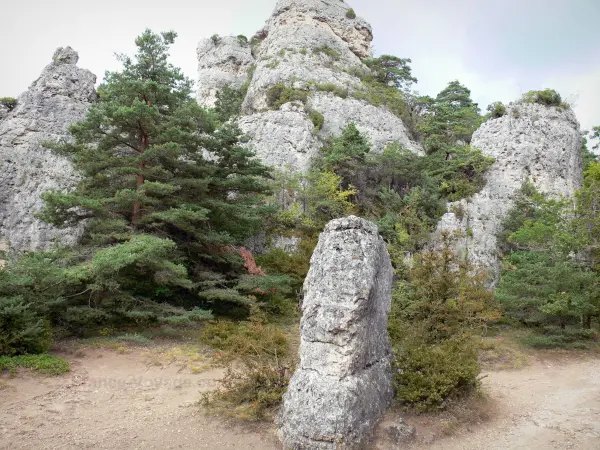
{"x": 58, "y": 98}
{"x": 344, "y": 380}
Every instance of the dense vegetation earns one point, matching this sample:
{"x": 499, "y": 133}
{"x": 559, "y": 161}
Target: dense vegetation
{"x": 170, "y": 198}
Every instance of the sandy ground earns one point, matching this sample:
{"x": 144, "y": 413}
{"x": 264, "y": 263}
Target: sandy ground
{"x": 120, "y": 401}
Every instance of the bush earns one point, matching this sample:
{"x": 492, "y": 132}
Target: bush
{"x": 22, "y": 331}
{"x": 45, "y": 364}
{"x": 8, "y": 102}
{"x": 350, "y": 14}
{"x": 548, "y": 97}
{"x": 426, "y": 375}
{"x": 317, "y": 119}
{"x": 496, "y": 110}
{"x": 279, "y": 94}
{"x": 333, "y": 88}
{"x": 250, "y": 394}
{"x": 325, "y": 50}
{"x": 254, "y": 391}
{"x": 216, "y": 39}
{"x": 242, "y": 39}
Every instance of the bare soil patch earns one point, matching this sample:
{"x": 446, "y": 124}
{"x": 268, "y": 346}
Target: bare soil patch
{"x": 147, "y": 398}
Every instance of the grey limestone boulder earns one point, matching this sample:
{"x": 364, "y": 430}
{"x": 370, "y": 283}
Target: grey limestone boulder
{"x": 59, "y": 97}
{"x": 344, "y": 380}
{"x": 532, "y": 142}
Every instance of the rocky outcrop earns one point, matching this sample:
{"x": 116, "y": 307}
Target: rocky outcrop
{"x": 222, "y": 61}
{"x": 344, "y": 380}
{"x": 59, "y": 97}
{"x": 531, "y": 142}
{"x": 310, "y": 45}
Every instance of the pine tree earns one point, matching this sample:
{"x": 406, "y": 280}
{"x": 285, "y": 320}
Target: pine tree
{"x": 167, "y": 196}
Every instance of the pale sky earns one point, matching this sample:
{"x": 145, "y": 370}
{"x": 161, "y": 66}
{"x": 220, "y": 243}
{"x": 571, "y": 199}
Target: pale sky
{"x": 498, "y": 48}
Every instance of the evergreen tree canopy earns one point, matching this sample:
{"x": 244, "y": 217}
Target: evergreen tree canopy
{"x": 166, "y": 194}
{"x": 450, "y": 118}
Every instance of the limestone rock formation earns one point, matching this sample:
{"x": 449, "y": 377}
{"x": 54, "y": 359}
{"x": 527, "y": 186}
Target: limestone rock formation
{"x": 3, "y": 111}
{"x": 309, "y": 45}
{"x": 222, "y": 61}
{"x": 531, "y": 142}
{"x": 59, "y": 97}
{"x": 344, "y": 380}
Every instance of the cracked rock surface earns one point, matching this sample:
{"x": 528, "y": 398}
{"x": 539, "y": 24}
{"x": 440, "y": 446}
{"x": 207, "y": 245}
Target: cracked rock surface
{"x": 532, "y": 142}
{"x": 59, "y": 97}
{"x": 310, "y": 45}
{"x": 344, "y": 380}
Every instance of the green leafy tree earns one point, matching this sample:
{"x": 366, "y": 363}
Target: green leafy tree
{"x": 392, "y": 71}
{"x": 167, "y": 197}
{"x": 542, "y": 283}
{"x": 450, "y": 118}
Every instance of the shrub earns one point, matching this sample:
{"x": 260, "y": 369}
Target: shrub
{"x": 496, "y": 110}
{"x": 326, "y": 50}
{"x": 250, "y": 394}
{"x": 216, "y": 39}
{"x": 8, "y": 102}
{"x": 21, "y": 329}
{"x": 45, "y": 364}
{"x": 254, "y": 391}
{"x": 548, "y": 97}
{"x": 242, "y": 39}
{"x": 350, "y": 14}
{"x": 426, "y": 375}
{"x": 333, "y": 88}
{"x": 279, "y": 94}
{"x": 317, "y": 119}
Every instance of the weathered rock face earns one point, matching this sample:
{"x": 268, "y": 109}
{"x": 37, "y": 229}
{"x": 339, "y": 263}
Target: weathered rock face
{"x": 222, "y": 61}
{"x": 307, "y": 45}
{"x": 344, "y": 380}
{"x": 59, "y": 97}
{"x": 531, "y": 142}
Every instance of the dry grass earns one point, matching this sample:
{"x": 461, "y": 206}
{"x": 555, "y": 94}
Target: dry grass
{"x": 501, "y": 353}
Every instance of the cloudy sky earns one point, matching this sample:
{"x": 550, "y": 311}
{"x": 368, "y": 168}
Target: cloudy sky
{"x": 498, "y": 48}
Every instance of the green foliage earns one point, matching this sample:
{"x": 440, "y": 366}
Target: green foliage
{"x": 542, "y": 283}
{"x": 279, "y": 94}
{"x": 229, "y": 103}
{"x": 8, "y": 102}
{"x": 254, "y": 391}
{"x": 350, "y": 14}
{"x": 556, "y": 337}
{"x": 22, "y": 331}
{"x": 167, "y": 196}
{"x": 317, "y": 119}
{"x": 587, "y": 220}
{"x": 434, "y": 314}
{"x": 429, "y": 374}
{"x": 450, "y": 118}
{"x": 548, "y": 97}
{"x": 496, "y": 110}
{"x": 391, "y": 71}
{"x": 242, "y": 39}
{"x": 328, "y": 51}
{"x": 44, "y": 364}
{"x": 333, "y": 88}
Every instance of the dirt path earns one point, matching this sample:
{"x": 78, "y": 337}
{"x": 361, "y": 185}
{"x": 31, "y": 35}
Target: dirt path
{"x": 552, "y": 404}
{"x": 114, "y": 401}
{"x": 120, "y": 401}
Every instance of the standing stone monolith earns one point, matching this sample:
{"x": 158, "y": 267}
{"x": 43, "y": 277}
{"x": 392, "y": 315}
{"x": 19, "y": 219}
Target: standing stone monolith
{"x": 344, "y": 380}
{"x": 59, "y": 97}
